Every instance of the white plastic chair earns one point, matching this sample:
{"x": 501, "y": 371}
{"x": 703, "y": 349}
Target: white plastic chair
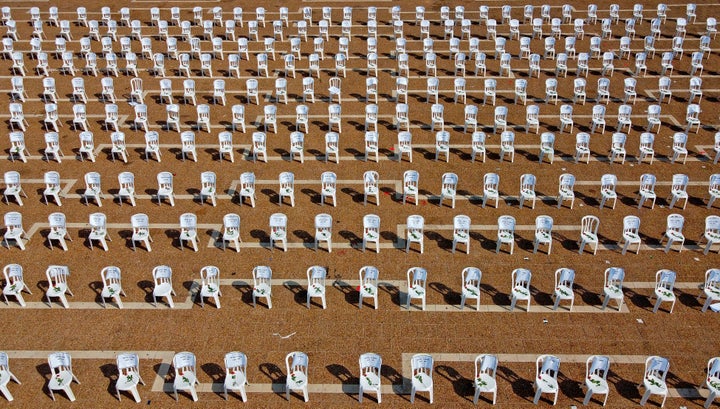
{"x": 323, "y": 230}
{"x": 588, "y": 232}
{"x": 316, "y": 276}
{"x": 608, "y": 183}
{"x": 564, "y": 279}
{"x": 664, "y": 283}
{"x": 612, "y": 287}
{"x": 112, "y": 288}
{"x": 141, "y": 230}
{"x": 520, "y": 287}
{"x": 61, "y": 374}
{"x": 566, "y": 119}
{"x": 656, "y": 369}
{"x": 370, "y": 371}
{"x": 235, "y": 374}
{"x": 617, "y": 147}
{"x": 368, "y": 289}
{"x": 208, "y": 187}
{"x": 58, "y": 230}
{"x": 500, "y": 121}
{"x": 410, "y": 185}
{"x": 210, "y": 285}
{"x": 259, "y": 146}
{"x": 471, "y": 277}
{"x": 448, "y": 188}
{"x": 278, "y": 230}
{"x": 547, "y": 368}
{"x": 17, "y": 146}
{"x": 631, "y": 233}
{"x": 422, "y": 375}
{"x": 647, "y": 190}
{"x": 185, "y": 379}
{"x": 442, "y": 145}
{"x": 415, "y": 226}
{"x": 371, "y": 231}
{"x": 335, "y": 118}
{"x": 506, "y": 232}
{"x": 491, "y": 184}
{"x": 484, "y": 379}
{"x": 712, "y": 232}
{"x": 296, "y": 365}
{"x": 13, "y": 187}
{"x": 710, "y": 290}
{"x": 543, "y": 232}
{"x": 566, "y": 183}
{"x": 14, "y": 286}
{"x": 596, "y": 372}
{"x": 126, "y": 182}
{"x": 547, "y": 146}
{"x": 371, "y": 182}
{"x": 14, "y": 229}
{"x": 98, "y": 230}
{"x": 582, "y": 146}
{"x": 128, "y": 365}
{"x": 461, "y": 232}
{"x": 162, "y": 278}
{"x": 57, "y": 277}
{"x": 527, "y": 189}
{"x": 188, "y": 230}
{"x": 262, "y": 285}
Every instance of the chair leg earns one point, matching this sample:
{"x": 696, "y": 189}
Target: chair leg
{"x": 588, "y": 395}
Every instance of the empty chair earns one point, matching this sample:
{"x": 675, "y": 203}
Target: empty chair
{"x": 422, "y": 371}
{"x": 185, "y": 379}
{"x": 210, "y": 285}
{"x": 208, "y": 187}
{"x": 678, "y": 190}
{"x": 316, "y": 276}
{"x": 507, "y": 141}
{"x": 371, "y": 186}
{"x": 188, "y": 230}
{"x": 484, "y": 379}
{"x": 52, "y": 147}
{"x": 297, "y": 145}
{"x": 328, "y": 188}
{"x": 92, "y": 188}
{"x": 165, "y": 187}
{"x": 711, "y": 291}
{"x": 57, "y": 285}
{"x": 259, "y": 146}
{"x": 13, "y": 187}
{"x": 262, "y": 284}
{"x": 126, "y": 182}
{"x": 371, "y": 233}
{"x": 612, "y": 287}
{"x": 461, "y": 232}
{"x": 415, "y": 225}
{"x": 61, "y": 374}
{"x": 547, "y": 368}
{"x": 566, "y": 118}
{"x": 471, "y": 277}
{"x": 656, "y": 369}
{"x": 87, "y": 146}
{"x": 712, "y": 232}
{"x": 631, "y": 232}
{"x": 416, "y": 284}
{"x": 566, "y": 183}
{"x": 14, "y": 230}
{"x": 547, "y": 146}
{"x": 551, "y": 90}
{"x": 335, "y": 117}
{"x": 203, "y": 117}
{"x": 506, "y": 232}
{"x": 582, "y": 146}
{"x": 52, "y": 187}
{"x": 404, "y": 145}
{"x": 695, "y": 91}
{"x": 543, "y": 232}
{"x": 323, "y": 230}
{"x": 608, "y": 182}
{"x": 235, "y": 373}
{"x": 520, "y": 287}
{"x": 448, "y": 188}
{"x": 693, "y": 117}
{"x": 478, "y": 145}
{"x": 500, "y": 120}
{"x": 296, "y": 365}
{"x": 278, "y": 229}
{"x": 332, "y": 140}
{"x": 564, "y": 278}
{"x": 673, "y": 232}
{"x": 442, "y": 145}
{"x": 647, "y": 190}
{"x": 588, "y": 232}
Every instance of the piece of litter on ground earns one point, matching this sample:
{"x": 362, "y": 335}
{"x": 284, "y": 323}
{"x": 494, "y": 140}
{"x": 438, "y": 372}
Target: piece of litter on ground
{"x": 582, "y": 205}
{"x": 607, "y": 261}
{"x": 696, "y": 259}
{"x": 563, "y": 168}
{"x": 631, "y": 165}
{"x": 640, "y": 321}
{"x": 545, "y": 321}
{"x": 284, "y": 337}
{"x": 526, "y": 258}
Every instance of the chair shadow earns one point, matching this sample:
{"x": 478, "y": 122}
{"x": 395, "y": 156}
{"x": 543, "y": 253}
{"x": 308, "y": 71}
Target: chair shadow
{"x": 299, "y": 293}
{"x": 462, "y": 386}
{"x": 110, "y": 371}
{"x": 348, "y": 380}
{"x": 521, "y": 387}
{"x": 147, "y": 287}
{"x": 392, "y": 290}
{"x": 351, "y": 294}
{"x": 450, "y": 296}
{"x": 216, "y": 373}
{"x": 44, "y": 371}
{"x": 275, "y": 374}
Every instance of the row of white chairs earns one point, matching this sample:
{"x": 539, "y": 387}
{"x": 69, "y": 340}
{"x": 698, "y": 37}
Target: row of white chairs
{"x": 415, "y": 231}
{"x": 209, "y": 286}
{"x": 422, "y": 366}
{"x": 371, "y": 181}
